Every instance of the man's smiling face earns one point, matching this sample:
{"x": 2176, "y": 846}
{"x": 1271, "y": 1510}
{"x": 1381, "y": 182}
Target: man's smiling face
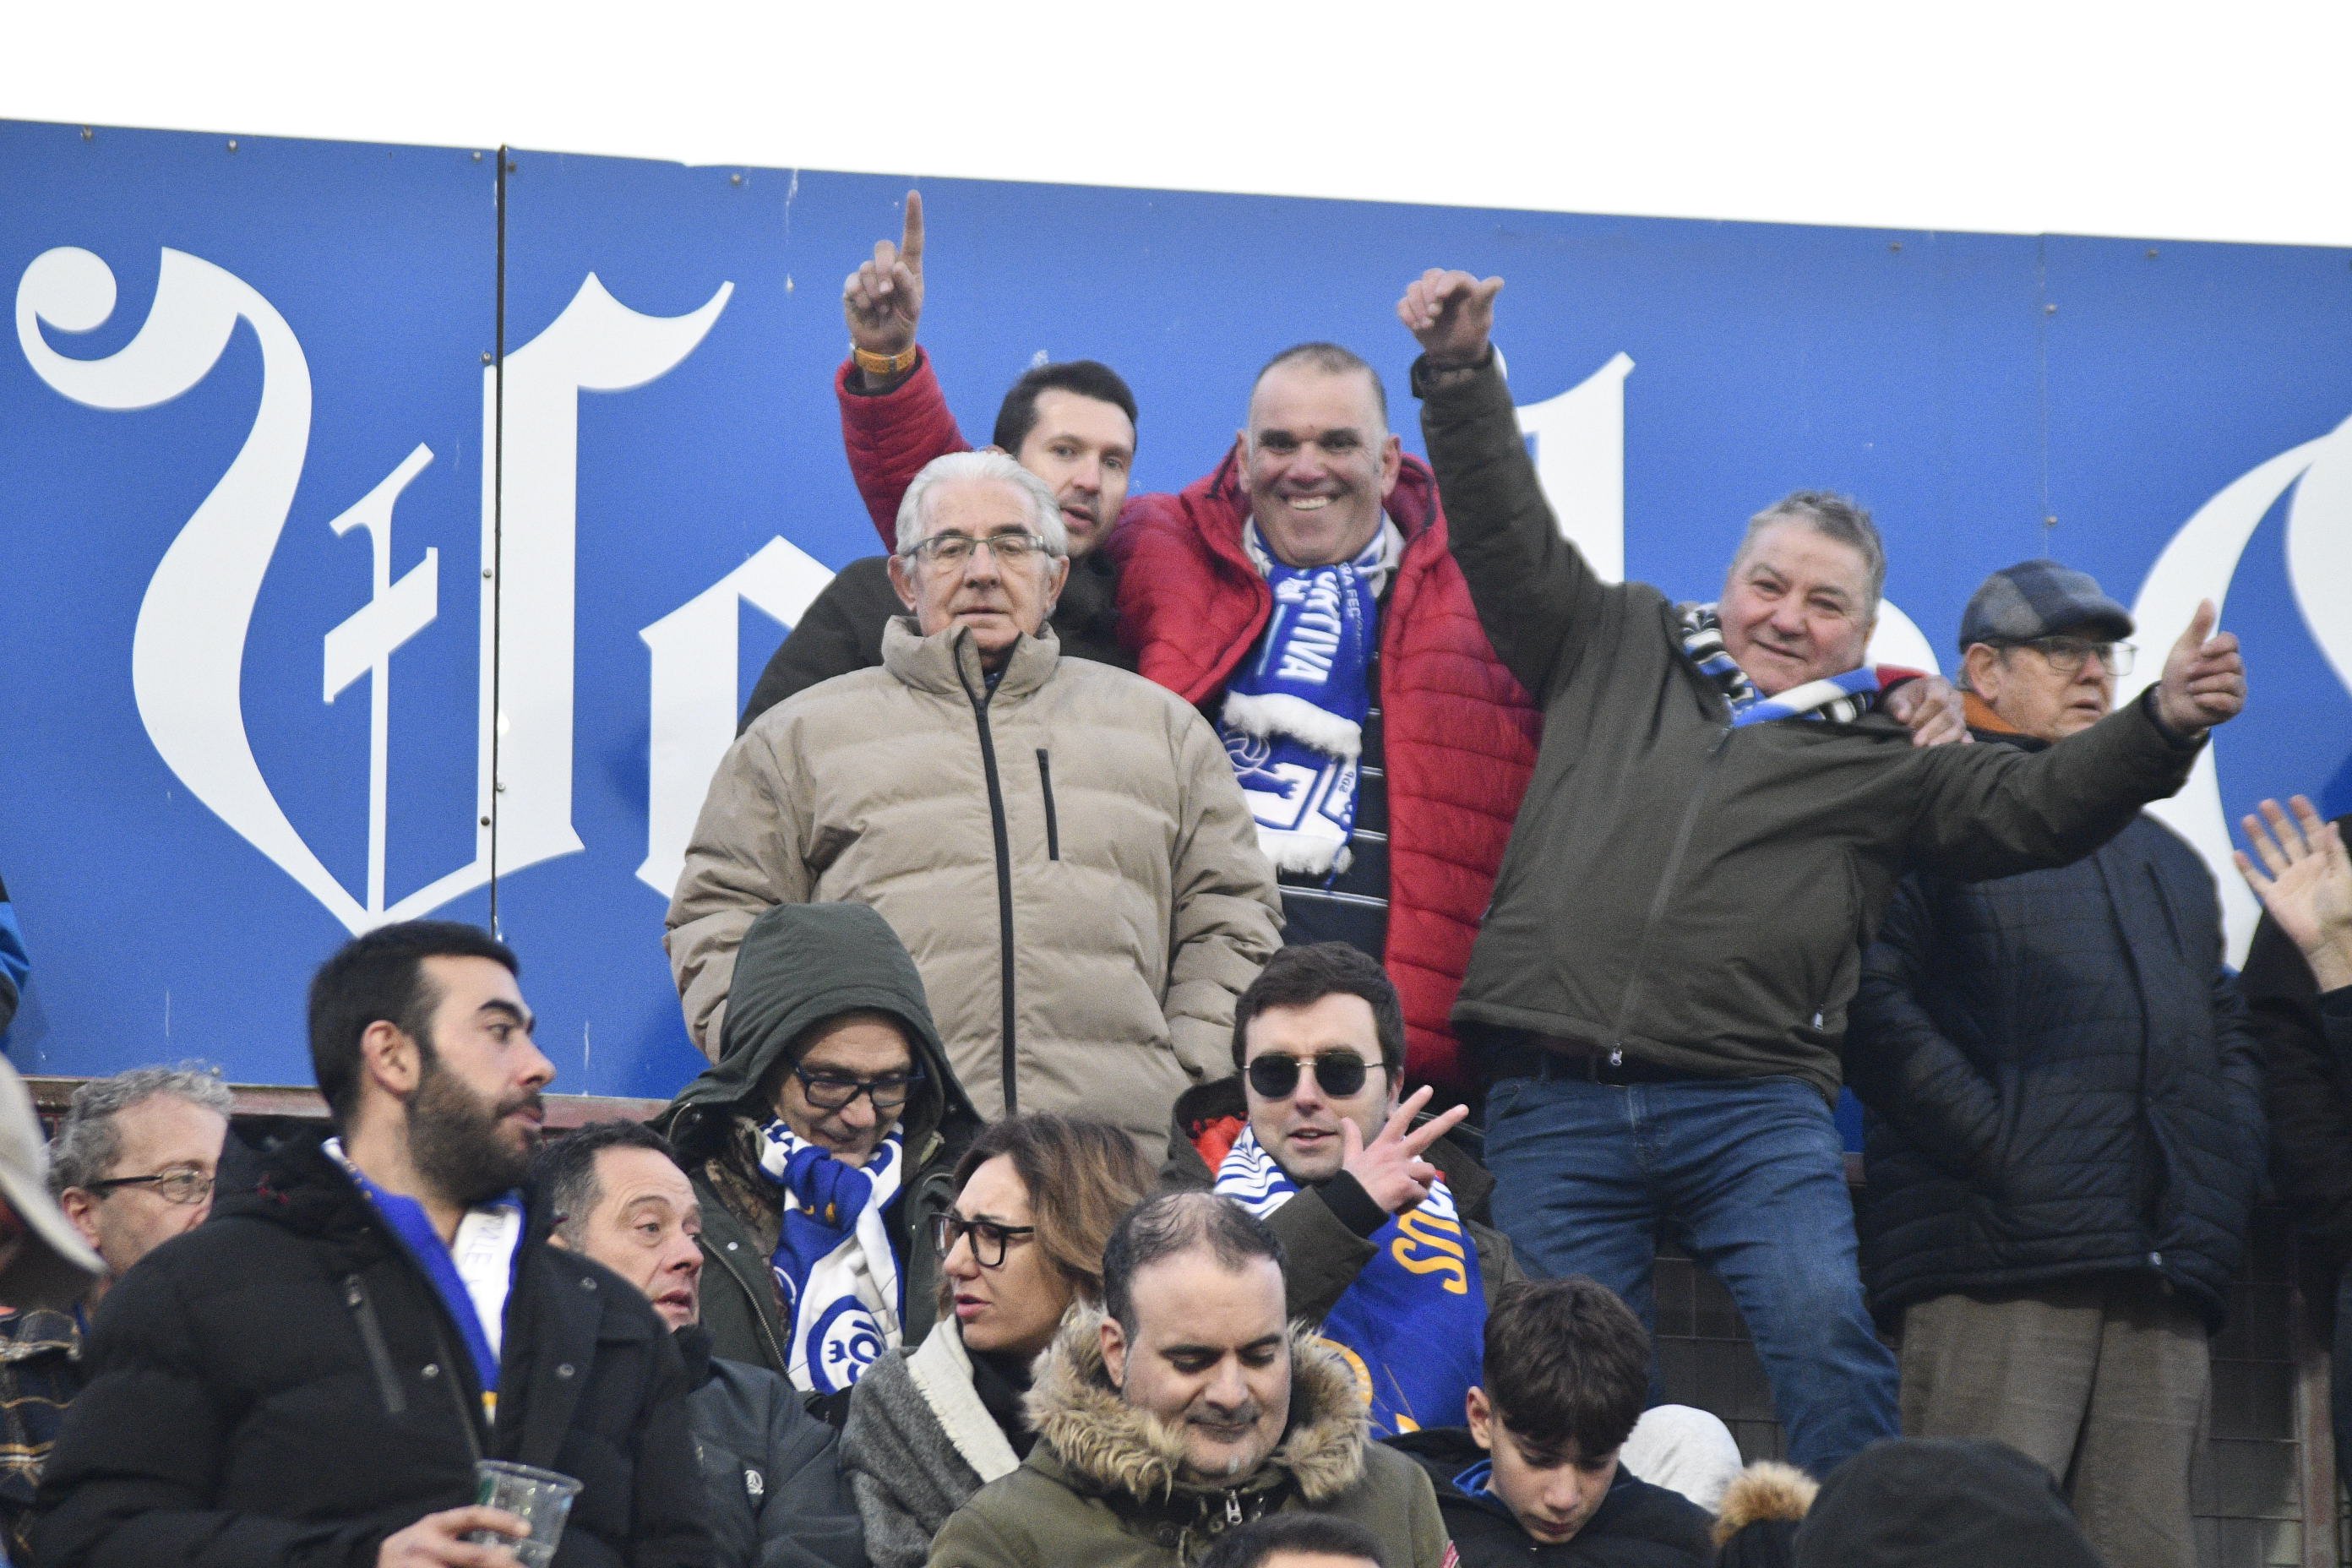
{"x": 1319, "y": 462}
{"x": 1796, "y": 607}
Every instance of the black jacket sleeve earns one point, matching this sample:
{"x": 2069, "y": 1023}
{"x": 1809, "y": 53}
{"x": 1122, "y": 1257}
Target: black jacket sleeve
{"x": 667, "y": 1531}
{"x": 840, "y": 631}
{"x": 808, "y": 1518}
{"x": 1899, "y": 1059}
{"x": 127, "y": 1483}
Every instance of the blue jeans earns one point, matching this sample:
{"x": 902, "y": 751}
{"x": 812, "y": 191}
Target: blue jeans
{"x": 1750, "y": 1173}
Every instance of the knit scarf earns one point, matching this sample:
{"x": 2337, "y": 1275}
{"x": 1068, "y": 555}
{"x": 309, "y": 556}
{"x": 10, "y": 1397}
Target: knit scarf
{"x": 1292, "y": 720}
{"x": 833, "y": 1263}
{"x": 1835, "y": 700}
{"x": 1414, "y": 1325}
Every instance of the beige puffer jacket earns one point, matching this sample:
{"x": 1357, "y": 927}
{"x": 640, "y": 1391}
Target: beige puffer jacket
{"x": 1068, "y": 858}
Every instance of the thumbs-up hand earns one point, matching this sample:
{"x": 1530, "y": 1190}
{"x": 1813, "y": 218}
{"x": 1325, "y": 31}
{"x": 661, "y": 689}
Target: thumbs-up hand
{"x": 1452, "y": 314}
{"x": 2204, "y": 681}
{"x": 883, "y": 300}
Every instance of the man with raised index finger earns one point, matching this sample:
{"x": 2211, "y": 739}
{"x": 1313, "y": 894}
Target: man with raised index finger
{"x": 1720, "y": 812}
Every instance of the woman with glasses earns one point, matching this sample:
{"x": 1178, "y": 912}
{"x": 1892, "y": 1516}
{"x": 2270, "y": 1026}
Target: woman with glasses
{"x": 1036, "y": 1197}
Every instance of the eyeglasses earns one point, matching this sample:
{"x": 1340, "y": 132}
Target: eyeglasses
{"x": 989, "y": 1240}
{"x": 172, "y": 1186}
{"x": 1337, "y": 1073}
{"x": 830, "y": 1091}
{"x": 2068, "y": 655}
{"x": 954, "y": 549}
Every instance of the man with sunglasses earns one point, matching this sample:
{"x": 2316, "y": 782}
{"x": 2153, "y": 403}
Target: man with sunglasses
{"x": 1062, "y": 846}
{"x": 820, "y": 1145}
{"x": 2067, "y": 1129}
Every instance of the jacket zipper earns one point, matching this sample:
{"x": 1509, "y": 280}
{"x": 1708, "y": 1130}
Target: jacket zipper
{"x": 1003, "y": 899}
{"x": 1045, "y": 782}
{"x": 387, "y": 1383}
{"x": 1666, "y": 891}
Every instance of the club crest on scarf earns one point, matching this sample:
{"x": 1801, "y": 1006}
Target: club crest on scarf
{"x": 836, "y": 1268}
{"x": 1412, "y": 1327}
{"x": 1292, "y": 720}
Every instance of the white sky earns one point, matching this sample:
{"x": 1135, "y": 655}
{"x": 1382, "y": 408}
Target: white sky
{"x": 2157, "y": 118}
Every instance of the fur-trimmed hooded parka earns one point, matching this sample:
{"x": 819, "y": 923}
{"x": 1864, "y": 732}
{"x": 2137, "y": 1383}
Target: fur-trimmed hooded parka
{"x": 1104, "y": 1485}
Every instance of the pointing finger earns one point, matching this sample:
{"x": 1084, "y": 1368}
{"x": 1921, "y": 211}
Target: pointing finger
{"x": 2201, "y": 626}
{"x": 911, "y": 235}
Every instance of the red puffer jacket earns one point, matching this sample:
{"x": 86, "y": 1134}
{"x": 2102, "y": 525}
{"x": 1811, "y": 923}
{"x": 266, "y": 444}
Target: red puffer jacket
{"x": 1459, "y": 733}
{"x": 889, "y": 438}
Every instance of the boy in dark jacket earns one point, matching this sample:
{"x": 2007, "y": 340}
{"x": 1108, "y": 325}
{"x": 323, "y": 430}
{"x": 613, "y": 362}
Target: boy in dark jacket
{"x": 1535, "y": 1476}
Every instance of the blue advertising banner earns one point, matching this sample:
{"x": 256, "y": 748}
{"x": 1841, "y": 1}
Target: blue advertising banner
{"x": 397, "y": 530}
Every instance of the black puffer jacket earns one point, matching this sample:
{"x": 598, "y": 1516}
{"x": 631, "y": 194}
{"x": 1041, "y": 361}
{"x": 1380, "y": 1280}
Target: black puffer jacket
{"x": 2060, "y": 1080}
{"x": 282, "y": 1388}
{"x": 2309, "y": 1098}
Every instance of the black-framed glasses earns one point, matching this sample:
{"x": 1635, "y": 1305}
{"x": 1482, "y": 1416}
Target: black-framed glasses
{"x": 2068, "y": 655}
{"x": 172, "y": 1186}
{"x": 832, "y": 1091}
{"x": 989, "y": 1240}
{"x": 955, "y": 549}
{"x": 1337, "y": 1074}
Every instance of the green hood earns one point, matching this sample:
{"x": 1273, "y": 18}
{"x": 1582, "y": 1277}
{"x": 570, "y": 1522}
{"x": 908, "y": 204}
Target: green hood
{"x": 799, "y": 965}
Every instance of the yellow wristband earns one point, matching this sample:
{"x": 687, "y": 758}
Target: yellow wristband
{"x": 873, "y": 364}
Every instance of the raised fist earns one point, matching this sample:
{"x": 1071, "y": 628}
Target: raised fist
{"x": 1452, "y": 314}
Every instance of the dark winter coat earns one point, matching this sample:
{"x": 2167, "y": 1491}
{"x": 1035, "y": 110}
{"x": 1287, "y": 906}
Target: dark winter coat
{"x": 801, "y": 965}
{"x": 1457, "y": 732}
{"x": 770, "y": 1470}
{"x": 282, "y": 1387}
{"x": 1104, "y": 1486}
{"x": 1326, "y": 1230}
{"x": 1694, "y": 895}
{"x": 2061, "y": 1078}
{"x": 1637, "y": 1525}
{"x": 2307, "y": 1087}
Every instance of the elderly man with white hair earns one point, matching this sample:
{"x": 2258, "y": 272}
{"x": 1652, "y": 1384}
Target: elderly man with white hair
{"x": 1061, "y": 845}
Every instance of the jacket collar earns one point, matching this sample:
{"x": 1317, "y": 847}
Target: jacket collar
{"x": 1989, "y": 725}
{"x": 948, "y": 662}
{"x": 1100, "y": 1444}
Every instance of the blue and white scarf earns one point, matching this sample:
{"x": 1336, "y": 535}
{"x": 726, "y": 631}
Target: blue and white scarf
{"x": 1292, "y": 720}
{"x": 473, "y": 1274}
{"x": 1834, "y": 700}
{"x": 1414, "y": 1325}
{"x": 833, "y": 1263}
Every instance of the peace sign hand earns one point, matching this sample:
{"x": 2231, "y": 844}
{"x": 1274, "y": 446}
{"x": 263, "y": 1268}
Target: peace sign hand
{"x": 1390, "y": 1168}
{"x": 883, "y": 300}
{"x": 2307, "y": 884}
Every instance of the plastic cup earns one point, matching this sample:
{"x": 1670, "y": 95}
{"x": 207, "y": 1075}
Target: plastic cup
{"x": 542, "y": 1498}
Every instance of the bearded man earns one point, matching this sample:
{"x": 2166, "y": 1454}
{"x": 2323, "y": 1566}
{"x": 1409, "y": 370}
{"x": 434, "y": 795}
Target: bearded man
{"x": 312, "y": 1376}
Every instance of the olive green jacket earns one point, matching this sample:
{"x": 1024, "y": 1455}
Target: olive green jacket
{"x": 1103, "y": 1487}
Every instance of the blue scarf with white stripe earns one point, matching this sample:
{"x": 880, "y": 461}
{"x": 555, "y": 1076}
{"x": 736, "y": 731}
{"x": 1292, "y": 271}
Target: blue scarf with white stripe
{"x": 1412, "y": 1328}
{"x": 1835, "y": 700}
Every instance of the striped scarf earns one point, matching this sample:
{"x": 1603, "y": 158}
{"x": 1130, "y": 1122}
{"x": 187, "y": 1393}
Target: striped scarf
{"x": 1836, "y": 700}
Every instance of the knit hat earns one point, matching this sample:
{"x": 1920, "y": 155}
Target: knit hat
{"x": 2038, "y": 599}
{"x": 1941, "y": 1502}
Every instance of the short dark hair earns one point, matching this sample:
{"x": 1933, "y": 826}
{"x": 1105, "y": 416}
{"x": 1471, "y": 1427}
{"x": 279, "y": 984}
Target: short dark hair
{"x": 1169, "y": 1223}
{"x": 1566, "y": 1359}
{"x": 564, "y": 1171}
{"x": 1302, "y": 976}
{"x": 1331, "y": 358}
{"x": 380, "y": 978}
{"x": 1317, "y": 1534}
{"x": 1016, "y": 417}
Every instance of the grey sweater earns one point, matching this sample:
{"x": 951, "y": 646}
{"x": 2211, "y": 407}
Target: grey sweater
{"x": 918, "y": 1443}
